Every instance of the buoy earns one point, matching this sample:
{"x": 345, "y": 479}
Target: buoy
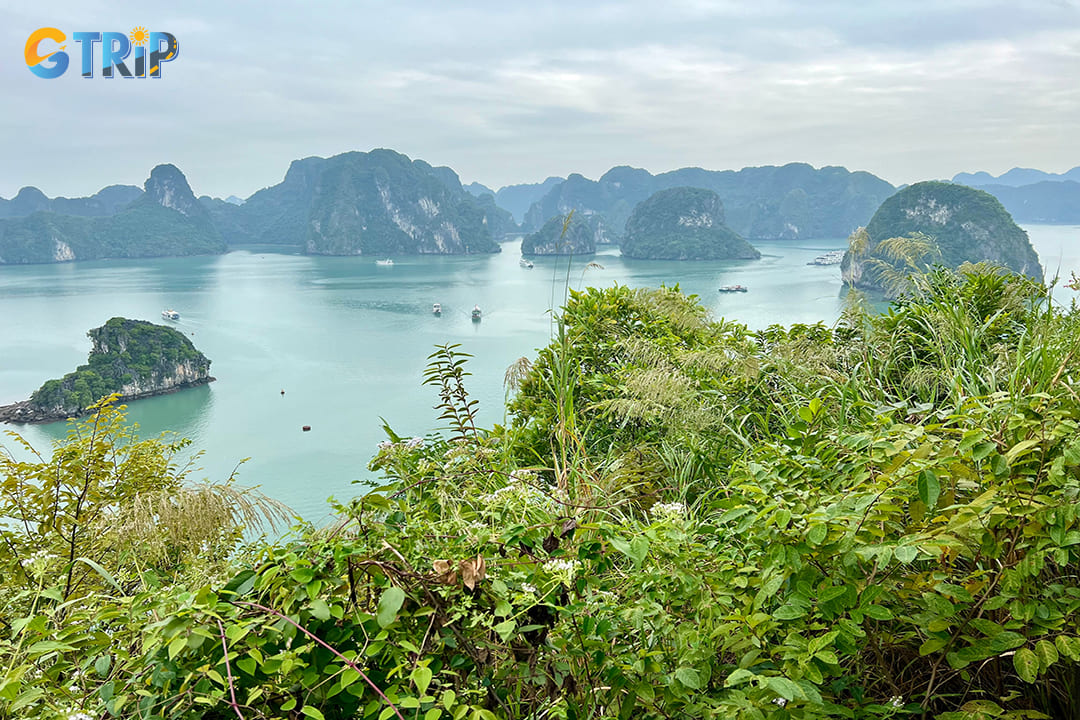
{"x": 306, "y": 428}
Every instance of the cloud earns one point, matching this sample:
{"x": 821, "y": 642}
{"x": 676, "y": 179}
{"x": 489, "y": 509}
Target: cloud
{"x": 507, "y": 93}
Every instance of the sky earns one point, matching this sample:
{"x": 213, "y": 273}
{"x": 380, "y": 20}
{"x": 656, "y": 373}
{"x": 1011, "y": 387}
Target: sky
{"x": 508, "y": 92}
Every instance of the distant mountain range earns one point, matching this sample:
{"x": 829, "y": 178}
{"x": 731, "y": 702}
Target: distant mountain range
{"x": 383, "y": 203}
{"x": 795, "y": 201}
{"x": 517, "y": 199}
{"x": 164, "y": 219}
{"x": 1015, "y": 177}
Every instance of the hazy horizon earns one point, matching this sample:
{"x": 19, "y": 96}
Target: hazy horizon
{"x": 507, "y": 94}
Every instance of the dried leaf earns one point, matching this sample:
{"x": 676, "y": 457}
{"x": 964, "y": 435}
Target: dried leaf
{"x": 551, "y": 544}
{"x": 569, "y": 527}
{"x": 445, "y": 571}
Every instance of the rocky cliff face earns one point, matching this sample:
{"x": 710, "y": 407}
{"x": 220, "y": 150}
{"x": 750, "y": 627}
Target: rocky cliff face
{"x": 683, "y": 224}
{"x": 579, "y": 239}
{"x": 966, "y": 225}
{"x": 374, "y": 203}
{"x": 133, "y": 358}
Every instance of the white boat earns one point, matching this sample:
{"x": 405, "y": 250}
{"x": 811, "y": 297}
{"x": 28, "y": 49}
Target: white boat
{"x": 733, "y": 288}
{"x": 476, "y": 314}
{"x": 170, "y": 314}
{"x": 833, "y": 257}
{"x": 436, "y": 309}
{"x": 525, "y": 263}
{"x": 387, "y": 261}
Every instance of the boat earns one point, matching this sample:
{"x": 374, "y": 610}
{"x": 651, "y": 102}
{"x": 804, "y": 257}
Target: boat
{"x": 170, "y": 314}
{"x": 525, "y": 263}
{"x": 476, "y": 314}
{"x": 387, "y": 261}
{"x": 436, "y": 309}
{"x": 733, "y": 288}
{"x": 833, "y": 257}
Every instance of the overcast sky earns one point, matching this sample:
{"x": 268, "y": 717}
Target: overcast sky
{"x": 508, "y": 92}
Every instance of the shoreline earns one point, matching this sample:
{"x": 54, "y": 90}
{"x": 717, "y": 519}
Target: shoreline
{"x": 22, "y": 413}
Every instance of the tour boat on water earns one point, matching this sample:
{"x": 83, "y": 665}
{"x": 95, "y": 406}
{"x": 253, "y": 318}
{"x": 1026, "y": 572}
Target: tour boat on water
{"x": 733, "y": 288}
{"x": 387, "y": 261}
{"x": 170, "y": 314}
{"x": 476, "y": 314}
{"x": 436, "y": 309}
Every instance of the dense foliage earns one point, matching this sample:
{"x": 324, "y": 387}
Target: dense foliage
{"x": 128, "y": 357}
{"x": 683, "y": 224}
{"x": 683, "y": 519}
{"x": 966, "y": 225}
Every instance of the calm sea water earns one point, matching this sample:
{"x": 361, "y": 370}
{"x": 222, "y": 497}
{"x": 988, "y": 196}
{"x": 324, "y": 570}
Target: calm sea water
{"x": 348, "y": 340}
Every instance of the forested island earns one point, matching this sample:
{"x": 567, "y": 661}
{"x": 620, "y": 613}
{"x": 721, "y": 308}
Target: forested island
{"x": 130, "y": 358}
{"x": 934, "y": 223}
{"x": 562, "y": 235}
{"x": 683, "y": 224}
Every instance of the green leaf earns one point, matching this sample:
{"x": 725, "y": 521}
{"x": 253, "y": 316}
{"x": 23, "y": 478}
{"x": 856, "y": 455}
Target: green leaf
{"x": 740, "y": 675}
{"x": 639, "y": 549}
{"x": 389, "y": 604}
{"x": 933, "y": 645}
{"x": 1047, "y": 654}
{"x": 505, "y": 629}
{"x": 877, "y": 612}
{"x": 320, "y": 609}
{"x": 449, "y": 697}
{"x": 422, "y": 677}
{"x": 1026, "y": 665}
{"x": 905, "y": 553}
{"x": 689, "y": 677}
{"x": 102, "y": 665}
{"x": 817, "y": 533}
{"x": 783, "y": 687}
{"x": 178, "y": 643}
{"x": 929, "y": 487}
{"x": 312, "y": 712}
{"x": 789, "y": 612}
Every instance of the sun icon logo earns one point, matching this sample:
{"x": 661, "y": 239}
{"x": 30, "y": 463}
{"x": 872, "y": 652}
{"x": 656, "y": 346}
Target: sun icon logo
{"x": 139, "y": 36}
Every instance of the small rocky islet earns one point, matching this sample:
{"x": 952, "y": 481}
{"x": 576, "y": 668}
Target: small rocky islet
{"x": 131, "y": 358}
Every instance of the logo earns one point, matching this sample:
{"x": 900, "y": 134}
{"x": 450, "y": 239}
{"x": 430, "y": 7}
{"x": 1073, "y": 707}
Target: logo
{"x": 46, "y": 58}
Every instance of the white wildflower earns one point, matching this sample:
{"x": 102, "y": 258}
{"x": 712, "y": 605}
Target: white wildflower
{"x": 385, "y": 445}
{"x": 897, "y": 701}
{"x": 670, "y": 511}
{"x": 415, "y": 442}
{"x": 780, "y": 701}
{"x": 79, "y": 716}
{"x": 528, "y": 588}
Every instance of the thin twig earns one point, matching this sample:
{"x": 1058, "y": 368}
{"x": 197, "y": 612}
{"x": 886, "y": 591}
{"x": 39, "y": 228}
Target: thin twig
{"x": 228, "y": 672}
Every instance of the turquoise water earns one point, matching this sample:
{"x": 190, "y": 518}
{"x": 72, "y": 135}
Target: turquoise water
{"x": 348, "y": 340}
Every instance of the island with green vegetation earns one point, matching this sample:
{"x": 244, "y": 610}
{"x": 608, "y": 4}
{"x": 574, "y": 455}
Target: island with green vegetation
{"x": 680, "y": 518}
{"x": 164, "y": 220}
{"x": 683, "y": 224}
{"x": 130, "y": 358}
{"x": 375, "y": 203}
{"x": 559, "y": 236}
{"x": 935, "y": 223}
